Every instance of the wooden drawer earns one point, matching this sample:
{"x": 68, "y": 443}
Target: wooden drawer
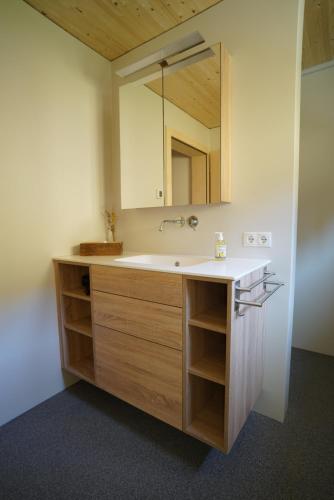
{"x": 148, "y": 320}
{"x": 164, "y": 288}
{"x": 147, "y": 375}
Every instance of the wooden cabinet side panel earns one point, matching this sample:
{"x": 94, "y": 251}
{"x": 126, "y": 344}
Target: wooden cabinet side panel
{"x": 148, "y": 320}
{"x": 244, "y": 361}
{"x": 146, "y": 375}
{"x": 164, "y": 288}
{"x": 62, "y": 343}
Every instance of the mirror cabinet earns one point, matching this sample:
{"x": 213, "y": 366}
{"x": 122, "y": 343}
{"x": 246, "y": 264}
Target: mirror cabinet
{"x": 175, "y": 133}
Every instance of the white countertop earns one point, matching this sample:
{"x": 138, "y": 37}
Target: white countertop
{"x": 231, "y": 268}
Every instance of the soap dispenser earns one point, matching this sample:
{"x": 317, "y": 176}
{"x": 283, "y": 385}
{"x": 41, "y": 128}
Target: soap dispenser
{"x": 220, "y": 246}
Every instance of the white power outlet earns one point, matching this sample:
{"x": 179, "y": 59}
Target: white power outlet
{"x": 255, "y": 239}
{"x": 264, "y": 239}
{"x": 159, "y": 193}
{"x": 250, "y": 239}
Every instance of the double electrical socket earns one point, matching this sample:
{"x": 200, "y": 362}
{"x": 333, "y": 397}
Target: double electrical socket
{"x": 254, "y": 239}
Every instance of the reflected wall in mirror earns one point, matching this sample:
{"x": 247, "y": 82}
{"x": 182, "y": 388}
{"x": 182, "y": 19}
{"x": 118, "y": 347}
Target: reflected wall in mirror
{"x": 141, "y": 146}
{"x": 175, "y": 134}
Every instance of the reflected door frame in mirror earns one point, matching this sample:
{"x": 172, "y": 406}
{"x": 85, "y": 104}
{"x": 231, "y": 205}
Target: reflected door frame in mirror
{"x": 198, "y": 155}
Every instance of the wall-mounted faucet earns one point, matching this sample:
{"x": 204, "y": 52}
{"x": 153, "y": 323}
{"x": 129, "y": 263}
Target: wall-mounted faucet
{"x": 193, "y": 222}
{"x": 178, "y": 220}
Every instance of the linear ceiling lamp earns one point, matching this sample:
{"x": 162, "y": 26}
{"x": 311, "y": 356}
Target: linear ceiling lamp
{"x": 169, "y": 69}
{"x": 187, "y": 61}
{"x": 160, "y": 55}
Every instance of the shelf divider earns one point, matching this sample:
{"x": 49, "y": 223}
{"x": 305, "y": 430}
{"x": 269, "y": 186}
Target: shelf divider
{"x": 77, "y": 293}
{"x": 82, "y": 325}
{"x": 211, "y": 367}
{"x": 211, "y": 319}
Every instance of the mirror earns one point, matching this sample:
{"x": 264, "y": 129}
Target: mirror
{"x": 171, "y": 134}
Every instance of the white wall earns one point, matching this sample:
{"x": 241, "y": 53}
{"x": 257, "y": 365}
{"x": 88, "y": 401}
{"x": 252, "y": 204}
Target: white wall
{"x": 314, "y": 311}
{"x": 181, "y": 121}
{"x": 264, "y": 39}
{"x": 53, "y": 150}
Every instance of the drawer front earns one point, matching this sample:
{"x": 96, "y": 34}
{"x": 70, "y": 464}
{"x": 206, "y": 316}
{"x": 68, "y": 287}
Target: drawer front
{"x": 146, "y": 375}
{"x": 148, "y": 320}
{"x": 164, "y": 288}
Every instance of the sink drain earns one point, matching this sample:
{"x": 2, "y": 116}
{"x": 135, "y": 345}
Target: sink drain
{"x": 176, "y": 263}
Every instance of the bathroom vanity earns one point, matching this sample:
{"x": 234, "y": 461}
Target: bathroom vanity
{"x": 180, "y": 338}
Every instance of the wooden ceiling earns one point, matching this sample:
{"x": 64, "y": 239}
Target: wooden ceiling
{"x": 114, "y": 27}
{"x": 195, "y": 89}
{"x": 318, "y": 42}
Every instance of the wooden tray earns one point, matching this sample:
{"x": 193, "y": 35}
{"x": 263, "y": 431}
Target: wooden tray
{"x": 101, "y": 248}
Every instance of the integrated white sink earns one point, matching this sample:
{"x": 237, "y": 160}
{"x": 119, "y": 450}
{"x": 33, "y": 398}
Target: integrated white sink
{"x": 163, "y": 260}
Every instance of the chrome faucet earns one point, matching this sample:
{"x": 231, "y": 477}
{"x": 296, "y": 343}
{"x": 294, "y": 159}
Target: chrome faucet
{"x": 179, "y": 220}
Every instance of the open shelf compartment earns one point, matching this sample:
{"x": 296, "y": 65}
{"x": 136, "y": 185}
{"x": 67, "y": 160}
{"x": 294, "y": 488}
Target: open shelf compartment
{"x": 206, "y": 411}
{"x": 77, "y": 315}
{"x": 80, "y": 360}
{"x": 207, "y": 354}
{"x": 207, "y": 302}
{"x": 71, "y": 281}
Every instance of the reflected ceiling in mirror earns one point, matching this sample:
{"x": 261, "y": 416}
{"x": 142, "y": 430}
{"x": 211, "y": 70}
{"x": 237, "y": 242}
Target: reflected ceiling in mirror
{"x": 195, "y": 89}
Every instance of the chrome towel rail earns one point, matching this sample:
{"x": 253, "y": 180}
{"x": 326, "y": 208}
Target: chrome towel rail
{"x": 266, "y": 275}
{"x": 261, "y": 300}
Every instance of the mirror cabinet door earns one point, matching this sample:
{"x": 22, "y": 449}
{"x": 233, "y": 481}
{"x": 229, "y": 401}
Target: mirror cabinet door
{"x": 175, "y": 133}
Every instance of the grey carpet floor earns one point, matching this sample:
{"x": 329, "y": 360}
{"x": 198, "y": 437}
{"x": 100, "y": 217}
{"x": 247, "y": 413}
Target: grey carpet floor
{"x": 86, "y": 444}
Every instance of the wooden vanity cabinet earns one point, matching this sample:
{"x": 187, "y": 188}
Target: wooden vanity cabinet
{"x": 168, "y": 344}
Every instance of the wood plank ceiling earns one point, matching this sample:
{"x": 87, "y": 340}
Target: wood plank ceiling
{"x": 114, "y": 27}
{"x": 318, "y": 42}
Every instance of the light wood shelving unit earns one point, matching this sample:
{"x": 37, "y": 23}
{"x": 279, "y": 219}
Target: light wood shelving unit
{"x": 74, "y": 309}
{"x": 205, "y": 360}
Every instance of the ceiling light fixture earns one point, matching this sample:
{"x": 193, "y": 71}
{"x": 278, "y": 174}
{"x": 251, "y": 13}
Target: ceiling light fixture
{"x": 172, "y": 49}
{"x": 168, "y": 69}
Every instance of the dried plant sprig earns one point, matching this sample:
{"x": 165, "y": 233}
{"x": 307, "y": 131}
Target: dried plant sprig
{"x": 110, "y": 218}
{"x": 110, "y": 222}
